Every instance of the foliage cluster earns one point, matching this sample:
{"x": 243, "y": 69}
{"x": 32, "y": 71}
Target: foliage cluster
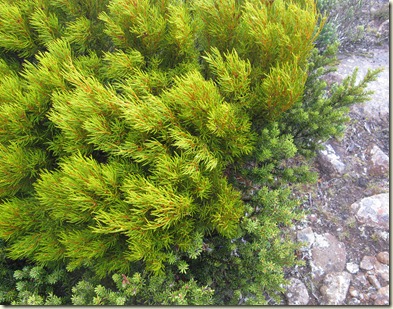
{"x": 144, "y": 146}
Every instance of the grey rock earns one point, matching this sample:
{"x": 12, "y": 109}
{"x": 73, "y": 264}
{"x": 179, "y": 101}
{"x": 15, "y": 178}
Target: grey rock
{"x": 330, "y": 161}
{"x": 379, "y": 161}
{"x": 373, "y": 211}
{"x": 306, "y": 235}
{"x": 328, "y": 255}
{"x": 353, "y": 268}
{"x": 335, "y": 287}
{"x": 297, "y": 293}
{"x": 368, "y": 262}
{"x": 383, "y": 257}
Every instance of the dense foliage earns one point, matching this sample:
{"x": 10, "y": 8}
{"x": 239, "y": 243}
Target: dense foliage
{"x": 145, "y": 146}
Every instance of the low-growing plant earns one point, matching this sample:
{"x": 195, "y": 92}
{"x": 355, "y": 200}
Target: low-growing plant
{"x": 153, "y": 140}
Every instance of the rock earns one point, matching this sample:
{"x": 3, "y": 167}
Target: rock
{"x": 383, "y": 257}
{"x": 297, "y": 293}
{"x": 379, "y": 162}
{"x": 382, "y": 297}
{"x": 306, "y": 235}
{"x": 373, "y": 211}
{"x": 368, "y": 262}
{"x": 329, "y": 161}
{"x": 374, "y": 281}
{"x": 335, "y": 287}
{"x": 328, "y": 255}
{"x": 352, "y": 268}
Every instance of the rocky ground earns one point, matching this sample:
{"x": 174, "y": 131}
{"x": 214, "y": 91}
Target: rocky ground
{"x": 346, "y": 231}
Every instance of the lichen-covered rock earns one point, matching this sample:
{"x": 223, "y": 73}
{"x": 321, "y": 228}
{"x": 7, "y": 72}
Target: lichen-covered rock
{"x": 373, "y": 211}
{"x": 297, "y": 293}
{"x": 353, "y": 268}
{"x": 328, "y": 255}
{"x": 307, "y": 236}
{"x": 330, "y": 161}
{"x": 335, "y": 287}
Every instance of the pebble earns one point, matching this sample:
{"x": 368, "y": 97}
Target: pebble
{"x": 353, "y": 292}
{"x": 368, "y": 262}
{"x": 353, "y": 268}
{"x": 383, "y": 257}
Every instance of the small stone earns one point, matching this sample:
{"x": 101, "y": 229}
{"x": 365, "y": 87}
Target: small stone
{"x": 383, "y": 257}
{"x": 306, "y": 235}
{"x": 374, "y": 281}
{"x": 297, "y": 293}
{"x": 335, "y": 287}
{"x": 353, "y": 292}
{"x": 373, "y": 211}
{"x": 368, "y": 262}
{"x": 352, "y": 267}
